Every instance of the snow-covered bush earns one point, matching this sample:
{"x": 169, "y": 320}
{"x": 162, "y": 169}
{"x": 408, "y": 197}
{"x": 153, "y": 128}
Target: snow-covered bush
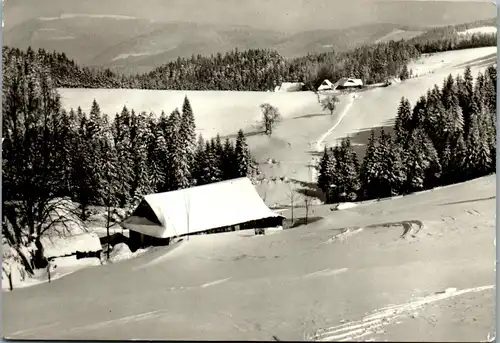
{"x": 120, "y": 252}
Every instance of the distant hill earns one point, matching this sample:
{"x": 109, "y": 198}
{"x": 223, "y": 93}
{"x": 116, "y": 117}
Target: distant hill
{"x": 138, "y": 46}
{"x": 130, "y": 45}
{"x": 318, "y": 41}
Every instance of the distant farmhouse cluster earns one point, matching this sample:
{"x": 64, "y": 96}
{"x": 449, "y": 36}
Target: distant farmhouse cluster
{"x": 345, "y": 83}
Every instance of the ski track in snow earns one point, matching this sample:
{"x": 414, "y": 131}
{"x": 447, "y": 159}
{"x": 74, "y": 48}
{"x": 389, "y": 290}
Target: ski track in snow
{"x": 374, "y": 322}
{"x": 319, "y": 143}
{"x": 213, "y": 283}
{"x": 93, "y": 326}
{"x": 326, "y": 272}
{"x": 31, "y": 331}
{"x": 120, "y": 321}
{"x": 341, "y": 236}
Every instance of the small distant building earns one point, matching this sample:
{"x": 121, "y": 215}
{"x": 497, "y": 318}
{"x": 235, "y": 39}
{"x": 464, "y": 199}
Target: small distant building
{"x": 290, "y": 87}
{"x": 326, "y": 85}
{"x": 348, "y": 83}
{"x": 218, "y": 207}
{"x": 81, "y": 245}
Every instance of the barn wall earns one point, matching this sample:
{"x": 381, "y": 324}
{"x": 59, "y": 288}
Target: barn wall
{"x": 138, "y": 241}
{"x": 254, "y": 224}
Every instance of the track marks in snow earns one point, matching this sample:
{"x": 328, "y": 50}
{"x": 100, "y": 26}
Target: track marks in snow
{"x": 326, "y": 272}
{"x": 213, "y": 283}
{"x": 322, "y": 273}
{"x": 342, "y": 236}
{"x": 31, "y": 331}
{"x": 319, "y": 142}
{"x": 374, "y": 323}
{"x": 473, "y": 213}
{"x": 119, "y": 321}
{"x": 205, "y": 285}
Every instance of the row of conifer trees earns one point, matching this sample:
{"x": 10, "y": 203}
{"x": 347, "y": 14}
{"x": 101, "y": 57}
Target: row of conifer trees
{"x": 258, "y": 69}
{"x": 449, "y": 136}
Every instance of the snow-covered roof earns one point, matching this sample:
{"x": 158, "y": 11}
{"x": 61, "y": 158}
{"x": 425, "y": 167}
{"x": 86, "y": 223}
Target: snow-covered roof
{"x": 57, "y": 246}
{"x": 201, "y": 208}
{"x": 290, "y": 86}
{"x": 347, "y": 81}
{"x": 326, "y": 84}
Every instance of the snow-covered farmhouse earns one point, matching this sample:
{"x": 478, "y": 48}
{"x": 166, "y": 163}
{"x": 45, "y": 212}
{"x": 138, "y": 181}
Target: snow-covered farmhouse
{"x": 218, "y": 207}
{"x": 349, "y": 83}
{"x": 326, "y": 85}
{"x": 342, "y": 84}
{"x": 290, "y": 87}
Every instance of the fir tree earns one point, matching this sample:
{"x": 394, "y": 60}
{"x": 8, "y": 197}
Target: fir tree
{"x": 389, "y": 172}
{"x": 458, "y": 165}
{"x": 465, "y": 95}
{"x": 419, "y": 112}
{"x": 199, "y": 161}
{"x": 347, "y": 170}
{"x": 415, "y": 165}
{"x": 210, "y": 171}
{"x": 159, "y": 160}
{"x": 188, "y": 136}
{"x": 140, "y": 135}
{"x": 228, "y": 160}
{"x": 433, "y": 164}
{"x": 326, "y": 170}
{"x": 123, "y": 148}
{"x": 405, "y": 74}
{"x": 367, "y": 170}
{"x": 403, "y": 125}
{"x": 178, "y": 169}
{"x": 242, "y": 155}
{"x": 474, "y": 165}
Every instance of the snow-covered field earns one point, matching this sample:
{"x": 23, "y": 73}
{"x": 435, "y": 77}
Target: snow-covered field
{"x": 215, "y": 112}
{"x": 397, "y": 35}
{"x": 419, "y": 267}
{"x": 482, "y": 29}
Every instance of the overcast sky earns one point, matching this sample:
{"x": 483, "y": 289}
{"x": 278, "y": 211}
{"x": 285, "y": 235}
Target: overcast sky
{"x": 276, "y": 14}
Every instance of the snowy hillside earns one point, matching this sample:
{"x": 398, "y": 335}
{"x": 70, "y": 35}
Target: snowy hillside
{"x": 429, "y": 257}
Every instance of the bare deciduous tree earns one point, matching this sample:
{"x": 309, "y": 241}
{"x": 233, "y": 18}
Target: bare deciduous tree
{"x": 330, "y": 103}
{"x": 270, "y": 116}
{"x": 307, "y": 203}
{"x": 293, "y": 196}
{"x": 317, "y": 96}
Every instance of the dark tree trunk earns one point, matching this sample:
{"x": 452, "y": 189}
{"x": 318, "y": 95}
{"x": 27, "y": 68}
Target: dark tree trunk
{"x": 39, "y": 260}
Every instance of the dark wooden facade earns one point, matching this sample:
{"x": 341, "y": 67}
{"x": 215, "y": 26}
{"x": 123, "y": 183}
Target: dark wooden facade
{"x": 138, "y": 240}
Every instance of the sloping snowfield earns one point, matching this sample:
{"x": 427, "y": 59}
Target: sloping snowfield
{"x": 417, "y": 268}
{"x": 215, "y": 111}
{"x": 482, "y": 29}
